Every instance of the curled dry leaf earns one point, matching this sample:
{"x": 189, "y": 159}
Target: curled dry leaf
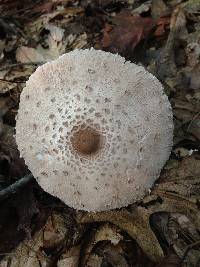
{"x": 105, "y": 232}
{"x": 126, "y": 32}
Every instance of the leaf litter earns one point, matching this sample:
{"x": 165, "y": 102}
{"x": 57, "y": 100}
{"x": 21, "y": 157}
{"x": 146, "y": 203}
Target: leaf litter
{"x": 39, "y": 230}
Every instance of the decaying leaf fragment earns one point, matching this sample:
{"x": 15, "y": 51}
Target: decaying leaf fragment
{"x": 183, "y": 180}
{"x": 70, "y": 258}
{"x": 165, "y": 62}
{"x": 126, "y": 32}
{"x": 28, "y": 254}
{"x": 14, "y": 77}
{"x": 162, "y": 25}
{"x": 26, "y": 54}
{"x": 105, "y": 232}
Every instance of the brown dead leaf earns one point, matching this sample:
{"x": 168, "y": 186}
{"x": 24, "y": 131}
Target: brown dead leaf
{"x": 162, "y": 25}
{"x": 59, "y": 17}
{"x": 105, "y": 232}
{"x": 28, "y": 253}
{"x": 195, "y": 78}
{"x": 165, "y": 61}
{"x": 113, "y": 255}
{"x": 26, "y": 54}
{"x": 70, "y": 258}
{"x": 171, "y": 260}
{"x": 184, "y": 179}
{"x": 12, "y": 77}
{"x": 159, "y": 9}
{"x": 193, "y": 54}
{"x": 94, "y": 260}
{"x": 178, "y": 22}
{"x": 54, "y": 232}
{"x": 43, "y": 8}
{"x": 126, "y": 32}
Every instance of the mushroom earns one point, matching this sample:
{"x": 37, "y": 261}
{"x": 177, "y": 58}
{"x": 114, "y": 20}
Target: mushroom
{"x": 95, "y": 130}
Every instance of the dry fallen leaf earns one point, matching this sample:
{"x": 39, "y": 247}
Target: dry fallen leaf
{"x": 165, "y": 61}
{"x": 56, "y": 47}
{"x": 184, "y": 179}
{"x": 162, "y": 25}
{"x": 28, "y": 253}
{"x": 171, "y": 260}
{"x": 113, "y": 256}
{"x": 70, "y": 258}
{"x": 13, "y": 77}
{"x": 126, "y": 32}
{"x": 159, "y": 9}
{"x": 105, "y": 232}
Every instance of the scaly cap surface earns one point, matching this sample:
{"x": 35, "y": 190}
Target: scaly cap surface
{"x": 94, "y": 130}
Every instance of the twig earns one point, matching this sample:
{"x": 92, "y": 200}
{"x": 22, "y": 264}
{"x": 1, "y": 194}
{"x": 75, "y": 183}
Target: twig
{"x": 4, "y": 80}
{"x": 191, "y": 246}
{"x": 21, "y": 64}
{"x": 14, "y": 188}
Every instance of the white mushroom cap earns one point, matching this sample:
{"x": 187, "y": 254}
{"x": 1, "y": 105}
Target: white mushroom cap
{"x": 94, "y": 129}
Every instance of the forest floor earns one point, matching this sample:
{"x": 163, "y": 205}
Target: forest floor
{"x": 162, "y": 230}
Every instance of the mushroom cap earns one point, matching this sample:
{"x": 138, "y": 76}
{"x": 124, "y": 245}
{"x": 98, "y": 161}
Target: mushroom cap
{"x": 95, "y": 130}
